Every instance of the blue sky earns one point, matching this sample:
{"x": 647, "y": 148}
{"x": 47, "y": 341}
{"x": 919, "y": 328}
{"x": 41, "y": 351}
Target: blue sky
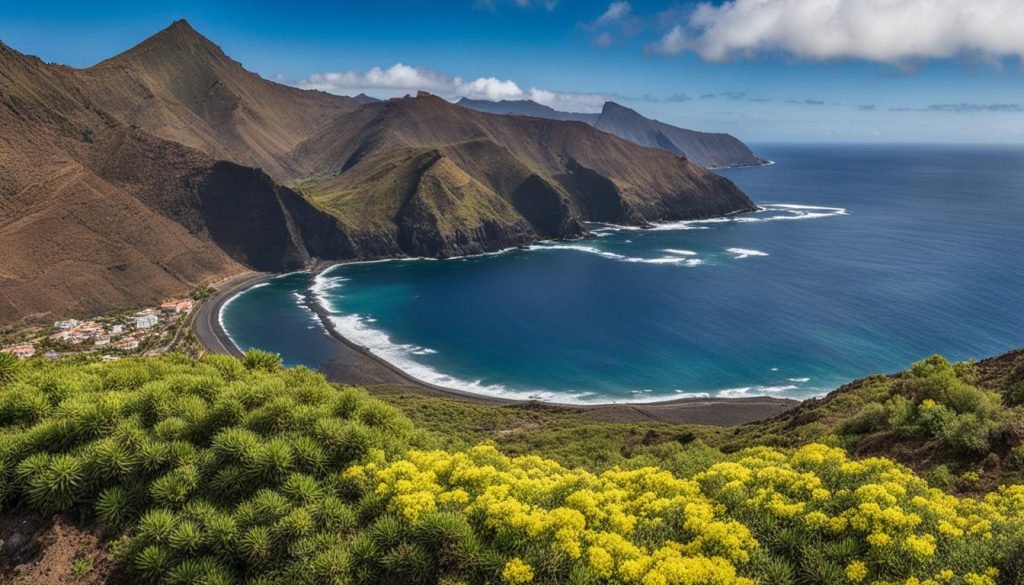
{"x": 764, "y": 70}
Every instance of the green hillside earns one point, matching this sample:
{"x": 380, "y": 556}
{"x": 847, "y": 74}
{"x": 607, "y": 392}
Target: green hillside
{"x": 238, "y": 471}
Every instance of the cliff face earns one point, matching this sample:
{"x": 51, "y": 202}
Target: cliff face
{"x": 703, "y": 148}
{"x": 137, "y": 178}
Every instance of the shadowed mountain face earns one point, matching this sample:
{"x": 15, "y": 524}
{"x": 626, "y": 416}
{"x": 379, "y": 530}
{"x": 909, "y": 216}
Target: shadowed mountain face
{"x": 162, "y": 169}
{"x": 703, "y": 148}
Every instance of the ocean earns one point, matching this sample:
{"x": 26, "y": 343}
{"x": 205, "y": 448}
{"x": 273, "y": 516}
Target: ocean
{"x": 864, "y": 259}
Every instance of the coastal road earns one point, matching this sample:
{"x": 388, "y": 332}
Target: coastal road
{"x": 206, "y": 322}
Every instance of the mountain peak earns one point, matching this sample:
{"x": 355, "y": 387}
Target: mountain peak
{"x": 613, "y": 108}
{"x": 178, "y": 37}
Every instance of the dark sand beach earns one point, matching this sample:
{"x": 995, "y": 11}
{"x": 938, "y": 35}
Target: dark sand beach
{"x": 355, "y": 365}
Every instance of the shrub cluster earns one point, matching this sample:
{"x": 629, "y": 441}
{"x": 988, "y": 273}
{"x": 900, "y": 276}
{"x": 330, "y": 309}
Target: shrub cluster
{"x": 218, "y": 471}
{"x": 814, "y": 516}
{"x": 936, "y": 401}
{"x": 222, "y": 471}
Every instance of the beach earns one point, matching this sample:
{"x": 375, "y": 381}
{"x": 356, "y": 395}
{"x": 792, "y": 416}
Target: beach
{"x": 354, "y": 365}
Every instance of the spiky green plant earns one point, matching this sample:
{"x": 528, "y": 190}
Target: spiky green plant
{"x": 259, "y": 360}
{"x": 9, "y": 367}
{"x": 187, "y": 538}
{"x": 152, "y": 562}
{"x": 115, "y": 507}
{"x": 56, "y": 487}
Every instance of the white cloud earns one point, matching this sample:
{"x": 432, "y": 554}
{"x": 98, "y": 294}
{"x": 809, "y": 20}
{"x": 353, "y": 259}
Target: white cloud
{"x": 400, "y": 79}
{"x": 889, "y": 31}
{"x": 616, "y": 11}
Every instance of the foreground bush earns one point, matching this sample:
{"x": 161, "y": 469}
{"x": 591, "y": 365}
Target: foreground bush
{"x": 223, "y": 471}
{"x": 811, "y": 517}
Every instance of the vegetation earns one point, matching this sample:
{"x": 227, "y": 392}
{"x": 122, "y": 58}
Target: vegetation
{"x": 203, "y": 292}
{"x": 946, "y": 421}
{"x": 239, "y": 471}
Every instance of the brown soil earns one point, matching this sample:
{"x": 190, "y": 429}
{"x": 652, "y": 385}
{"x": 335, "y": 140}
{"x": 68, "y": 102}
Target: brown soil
{"x": 35, "y": 550}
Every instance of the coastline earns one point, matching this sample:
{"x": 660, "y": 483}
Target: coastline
{"x": 355, "y": 365}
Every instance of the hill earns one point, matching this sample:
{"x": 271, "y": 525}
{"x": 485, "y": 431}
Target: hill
{"x": 963, "y": 424}
{"x": 226, "y": 471}
{"x": 180, "y": 86}
{"x": 703, "y": 148}
{"x": 98, "y": 215}
{"x": 422, "y": 176}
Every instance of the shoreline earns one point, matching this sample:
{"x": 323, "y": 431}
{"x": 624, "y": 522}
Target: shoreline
{"x": 355, "y": 365}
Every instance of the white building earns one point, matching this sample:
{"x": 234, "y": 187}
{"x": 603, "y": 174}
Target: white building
{"x": 67, "y": 324}
{"x": 146, "y": 321}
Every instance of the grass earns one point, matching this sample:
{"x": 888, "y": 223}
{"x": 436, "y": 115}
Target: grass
{"x": 568, "y": 436}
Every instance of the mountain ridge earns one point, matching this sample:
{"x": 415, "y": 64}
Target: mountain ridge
{"x": 164, "y": 168}
{"x": 707, "y": 149}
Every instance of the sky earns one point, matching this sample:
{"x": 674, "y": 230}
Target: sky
{"x": 763, "y": 70}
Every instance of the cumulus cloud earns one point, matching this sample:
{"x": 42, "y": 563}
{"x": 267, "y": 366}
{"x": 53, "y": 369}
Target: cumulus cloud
{"x": 617, "y": 21}
{"x": 400, "y": 79}
{"x": 888, "y": 31}
{"x": 616, "y": 11}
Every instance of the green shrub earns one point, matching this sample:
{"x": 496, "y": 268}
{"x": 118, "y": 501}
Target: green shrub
{"x": 872, "y": 417}
{"x": 8, "y": 367}
{"x": 257, "y": 359}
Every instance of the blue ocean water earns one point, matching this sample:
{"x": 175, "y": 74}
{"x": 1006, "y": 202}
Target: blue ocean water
{"x": 865, "y": 259}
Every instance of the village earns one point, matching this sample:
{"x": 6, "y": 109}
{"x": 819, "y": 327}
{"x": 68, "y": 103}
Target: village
{"x": 150, "y": 331}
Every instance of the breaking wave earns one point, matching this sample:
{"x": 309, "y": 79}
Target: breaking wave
{"x": 675, "y": 259}
{"x": 741, "y": 253}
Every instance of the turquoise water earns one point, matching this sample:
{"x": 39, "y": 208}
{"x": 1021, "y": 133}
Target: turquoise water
{"x": 865, "y": 259}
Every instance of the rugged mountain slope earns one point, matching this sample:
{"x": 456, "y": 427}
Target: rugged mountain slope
{"x": 484, "y": 181}
{"x": 703, "y": 148}
{"x": 97, "y": 215}
{"x": 116, "y": 190}
{"x": 180, "y": 86}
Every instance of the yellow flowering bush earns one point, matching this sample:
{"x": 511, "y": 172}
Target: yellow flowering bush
{"x": 762, "y": 514}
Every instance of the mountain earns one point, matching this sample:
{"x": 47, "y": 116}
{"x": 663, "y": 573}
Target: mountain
{"x": 97, "y": 215}
{"x": 526, "y": 108}
{"x": 164, "y": 168}
{"x": 365, "y": 99}
{"x": 180, "y": 86}
{"x": 435, "y": 179}
{"x": 703, "y": 148}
